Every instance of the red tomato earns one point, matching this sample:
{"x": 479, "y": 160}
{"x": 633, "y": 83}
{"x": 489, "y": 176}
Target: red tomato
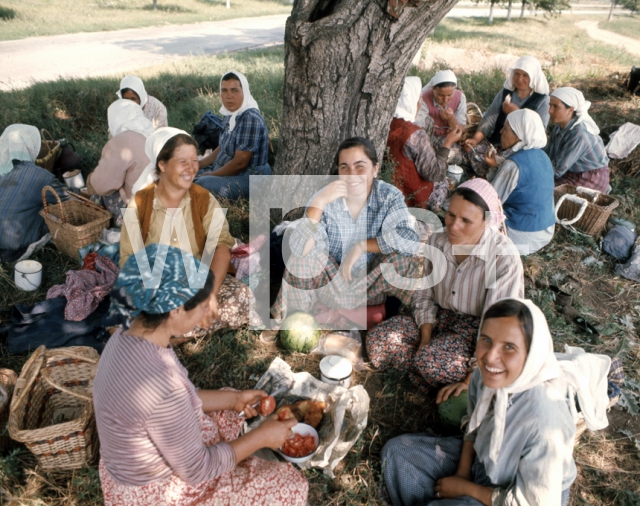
{"x": 267, "y": 405}
{"x": 299, "y": 446}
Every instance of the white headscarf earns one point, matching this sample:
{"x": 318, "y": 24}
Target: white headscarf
{"x": 574, "y": 98}
{"x": 442, "y": 76}
{"x": 153, "y": 146}
{"x": 541, "y": 365}
{"x": 532, "y": 67}
{"x": 527, "y": 125}
{"x": 18, "y": 142}
{"x": 127, "y": 116}
{"x": 134, "y": 83}
{"x": 247, "y": 103}
{"x": 407, "y": 107}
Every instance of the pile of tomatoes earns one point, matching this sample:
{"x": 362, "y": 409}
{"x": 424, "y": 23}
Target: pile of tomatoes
{"x": 299, "y": 445}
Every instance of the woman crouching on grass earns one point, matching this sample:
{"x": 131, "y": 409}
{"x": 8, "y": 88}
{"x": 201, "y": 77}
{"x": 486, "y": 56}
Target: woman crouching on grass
{"x": 162, "y": 440}
{"x": 518, "y": 444}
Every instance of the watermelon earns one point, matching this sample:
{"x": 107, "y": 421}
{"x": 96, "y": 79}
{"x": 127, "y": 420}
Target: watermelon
{"x": 453, "y": 409}
{"x": 300, "y": 332}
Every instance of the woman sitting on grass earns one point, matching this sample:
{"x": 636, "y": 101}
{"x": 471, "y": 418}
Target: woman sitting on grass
{"x": 518, "y": 445}
{"x": 190, "y": 210}
{"x": 575, "y": 148}
{"x": 162, "y": 440}
{"x": 132, "y": 88}
{"x": 21, "y": 184}
{"x": 421, "y": 168}
{"x": 244, "y": 142}
{"x": 435, "y": 347}
{"x": 332, "y": 242}
{"x": 123, "y": 158}
{"x": 524, "y": 182}
{"x": 526, "y": 87}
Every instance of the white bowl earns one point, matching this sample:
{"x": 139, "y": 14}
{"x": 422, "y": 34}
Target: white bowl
{"x": 303, "y": 429}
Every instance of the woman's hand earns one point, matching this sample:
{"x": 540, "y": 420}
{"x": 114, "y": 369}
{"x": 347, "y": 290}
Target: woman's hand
{"x": 455, "y": 134}
{"x": 212, "y": 314}
{"x": 455, "y": 388}
{"x": 471, "y": 143}
{"x": 245, "y": 401}
{"x": 333, "y": 191}
{"x": 274, "y": 432}
{"x": 508, "y": 107}
{"x": 452, "y": 487}
{"x": 425, "y": 334}
{"x": 352, "y": 257}
{"x": 490, "y": 159}
{"x": 446, "y": 113}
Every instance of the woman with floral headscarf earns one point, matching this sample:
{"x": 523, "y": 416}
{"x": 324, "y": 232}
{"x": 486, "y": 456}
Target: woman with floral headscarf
{"x": 420, "y": 171}
{"x": 162, "y": 440}
{"x": 576, "y": 150}
{"x": 132, "y": 88}
{"x": 21, "y": 184}
{"x": 244, "y": 142}
{"x": 471, "y": 264}
{"x": 524, "y": 182}
{"x": 518, "y": 444}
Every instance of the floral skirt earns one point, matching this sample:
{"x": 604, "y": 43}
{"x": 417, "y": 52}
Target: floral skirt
{"x": 597, "y": 179}
{"x": 254, "y": 481}
{"x": 444, "y": 360}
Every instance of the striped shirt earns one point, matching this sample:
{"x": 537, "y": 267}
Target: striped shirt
{"x": 249, "y": 134}
{"x": 574, "y": 149}
{"x": 464, "y": 286}
{"x": 148, "y": 415}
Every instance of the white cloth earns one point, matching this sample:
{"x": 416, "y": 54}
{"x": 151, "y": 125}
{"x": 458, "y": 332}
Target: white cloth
{"x": 623, "y": 141}
{"x": 153, "y": 146}
{"x": 248, "y": 101}
{"x": 442, "y": 76}
{"x": 532, "y": 67}
{"x": 527, "y": 125}
{"x": 125, "y": 115}
{"x": 574, "y": 98}
{"x": 540, "y": 366}
{"x": 134, "y": 83}
{"x": 407, "y": 107}
{"x": 18, "y": 142}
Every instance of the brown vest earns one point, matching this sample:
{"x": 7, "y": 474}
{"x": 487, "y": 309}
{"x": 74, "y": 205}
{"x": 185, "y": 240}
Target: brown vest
{"x": 199, "y": 207}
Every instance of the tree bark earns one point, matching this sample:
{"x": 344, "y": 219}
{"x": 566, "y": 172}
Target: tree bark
{"x": 155, "y": 5}
{"x": 491, "y": 12}
{"x": 345, "y": 63}
{"x": 524, "y": 4}
{"x": 613, "y": 4}
{"x": 509, "y": 10}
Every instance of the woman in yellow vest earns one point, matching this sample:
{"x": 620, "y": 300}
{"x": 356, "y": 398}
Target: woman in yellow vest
{"x": 174, "y": 211}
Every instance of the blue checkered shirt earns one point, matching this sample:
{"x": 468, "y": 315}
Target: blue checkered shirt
{"x": 250, "y": 134}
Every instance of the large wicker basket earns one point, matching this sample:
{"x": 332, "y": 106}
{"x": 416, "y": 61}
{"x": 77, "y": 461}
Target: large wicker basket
{"x": 7, "y": 383}
{"x": 49, "y": 151}
{"x": 52, "y": 407}
{"x": 75, "y": 223}
{"x": 597, "y": 208}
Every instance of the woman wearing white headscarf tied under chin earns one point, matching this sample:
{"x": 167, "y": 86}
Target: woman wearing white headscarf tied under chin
{"x": 576, "y": 150}
{"x": 526, "y": 87}
{"x": 132, "y": 88}
{"x": 421, "y": 169}
{"x": 244, "y": 142}
{"x": 524, "y": 182}
{"x": 518, "y": 445}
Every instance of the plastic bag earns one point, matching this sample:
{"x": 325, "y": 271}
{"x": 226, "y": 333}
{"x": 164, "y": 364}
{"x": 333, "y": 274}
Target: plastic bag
{"x": 347, "y": 346}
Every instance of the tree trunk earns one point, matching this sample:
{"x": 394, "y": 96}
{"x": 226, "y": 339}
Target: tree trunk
{"x": 491, "y": 12}
{"x": 524, "y": 4}
{"x": 155, "y": 5}
{"x": 345, "y": 63}
{"x": 509, "y": 10}
{"x": 613, "y": 4}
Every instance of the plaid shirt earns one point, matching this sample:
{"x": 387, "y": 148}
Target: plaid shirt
{"x": 250, "y": 134}
{"x": 574, "y": 149}
{"x": 338, "y": 232}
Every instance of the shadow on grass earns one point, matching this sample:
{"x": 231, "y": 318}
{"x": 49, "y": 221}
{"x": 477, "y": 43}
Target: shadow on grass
{"x": 7, "y": 14}
{"x": 166, "y": 8}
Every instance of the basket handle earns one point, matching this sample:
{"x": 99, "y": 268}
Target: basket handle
{"x": 24, "y": 385}
{"x": 473, "y": 105}
{"x": 578, "y": 200}
{"x": 42, "y": 131}
{"x": 589, "y": 192}
{"x": 85, "y": 200}
{"x": 45, "y": 376}
{"x": 44, "y": 202}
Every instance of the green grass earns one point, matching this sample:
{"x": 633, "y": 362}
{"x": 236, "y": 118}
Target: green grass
{"x": 626, "y": 25}
{"x": 31, "y": 18}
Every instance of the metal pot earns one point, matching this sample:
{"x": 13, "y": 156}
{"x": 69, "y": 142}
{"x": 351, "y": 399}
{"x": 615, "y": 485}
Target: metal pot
{"x": 28, "y": 275}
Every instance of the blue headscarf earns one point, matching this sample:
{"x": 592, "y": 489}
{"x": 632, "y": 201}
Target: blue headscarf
{"x": 169, "y": 278}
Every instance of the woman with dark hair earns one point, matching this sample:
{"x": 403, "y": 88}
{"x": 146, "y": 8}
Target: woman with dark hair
{"x": 244, "y": 142}
{"x": 576, "y": 150}
{"x": 473, "y": 264}
{"x": 162, "y": 440}
{"x": 518, "y": 444}
{"x": 132, "y": 88}
{"x": 194, "y": 221}
{"x": 354, "y": 224}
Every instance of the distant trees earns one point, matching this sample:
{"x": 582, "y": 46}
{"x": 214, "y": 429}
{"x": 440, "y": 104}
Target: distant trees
{"x": 632, "y": 5}
{"x": 549, "y": 6}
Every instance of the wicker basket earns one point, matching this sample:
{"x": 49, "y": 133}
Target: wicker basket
{"x": 75, "y": 223}
{"x": 52, "y": 407}
{"x": 7, "y": 382}
{"x": 49, "y": 151}
{"x": 597, "y": 208}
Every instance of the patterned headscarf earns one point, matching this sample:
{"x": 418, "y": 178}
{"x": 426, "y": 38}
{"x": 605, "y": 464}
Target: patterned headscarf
{"x": 18, "y": 142}
{"x": 156, "y": 280}
{"x": 134, "y": 83}
{"x": 487, "y": 193}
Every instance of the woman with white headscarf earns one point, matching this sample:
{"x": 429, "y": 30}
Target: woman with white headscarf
{"x": 524, "y": 182}
{"x": 244, "y": 142}
{"x": 21, "y": 183}
{"x": 132, "y": 88}
{"x": 195, "y": 225}
{"x": 576, "y": 150}
{"x": 123, "y": 157}
{"x": 421, "y": 169}
{"x": 518, "y": 444}
{"x": 526, "y": 87}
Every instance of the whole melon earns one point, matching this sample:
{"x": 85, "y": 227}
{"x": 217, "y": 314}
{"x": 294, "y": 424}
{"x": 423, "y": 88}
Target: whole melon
{"x": 453, "y": 409}
{"x": 300, "y": 332}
